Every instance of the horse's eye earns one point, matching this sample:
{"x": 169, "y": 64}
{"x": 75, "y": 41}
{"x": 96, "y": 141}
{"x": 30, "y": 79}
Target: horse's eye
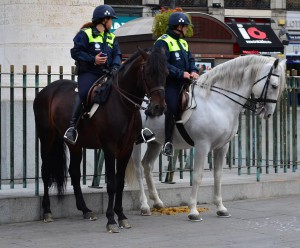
{"x": 274, "y": 86}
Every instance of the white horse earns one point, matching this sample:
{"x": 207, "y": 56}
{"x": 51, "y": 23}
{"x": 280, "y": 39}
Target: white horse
{"x": 220, "y": 95}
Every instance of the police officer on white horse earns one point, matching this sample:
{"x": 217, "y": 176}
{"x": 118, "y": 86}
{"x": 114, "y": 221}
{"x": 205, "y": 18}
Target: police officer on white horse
{"x": 181, "y": 65}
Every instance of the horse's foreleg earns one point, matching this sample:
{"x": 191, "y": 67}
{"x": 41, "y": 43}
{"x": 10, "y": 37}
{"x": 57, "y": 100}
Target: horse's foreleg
{"x": 136, "y": 158}
{"x": 219, "y": 161}
{"x": 151, "y": 154}
{"x": 121, "y": 168}
{"x": 111, "y": 225}
{"x": 200, "y": 156}
{"x": 75, "y": 174}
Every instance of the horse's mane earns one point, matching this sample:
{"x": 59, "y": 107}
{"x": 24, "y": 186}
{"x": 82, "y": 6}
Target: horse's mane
{"x": 156, "y": 60}
{"x": 230, "y": 73}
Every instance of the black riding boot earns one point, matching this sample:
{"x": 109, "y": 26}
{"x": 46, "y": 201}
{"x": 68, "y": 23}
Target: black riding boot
{"x": 146, "y": 136}
{"x": 71, "y": 133}
{"x": 169, "y": 127}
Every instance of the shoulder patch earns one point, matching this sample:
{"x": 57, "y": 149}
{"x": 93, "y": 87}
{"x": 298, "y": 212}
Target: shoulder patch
{"x": 164, "y": 36}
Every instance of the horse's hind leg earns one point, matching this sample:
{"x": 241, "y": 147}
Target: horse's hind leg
{"x": 47, "y": 215}
{"x": 150, "y": 156}
{"x": 53, "y": 167}
{"x": 219, "y": 161}
{"x": 136, "y": 158}
{"x": 75, "y": 174}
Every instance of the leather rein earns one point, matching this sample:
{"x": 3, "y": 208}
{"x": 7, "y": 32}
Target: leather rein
{"x": 128, "y": 96}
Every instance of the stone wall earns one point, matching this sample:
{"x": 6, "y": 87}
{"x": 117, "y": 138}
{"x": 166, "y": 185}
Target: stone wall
{"x": 40, "y": 32}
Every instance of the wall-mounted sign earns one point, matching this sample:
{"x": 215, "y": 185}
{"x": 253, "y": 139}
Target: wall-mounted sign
{"x": 121, "y": 21}
{"x": 254, "y": 38}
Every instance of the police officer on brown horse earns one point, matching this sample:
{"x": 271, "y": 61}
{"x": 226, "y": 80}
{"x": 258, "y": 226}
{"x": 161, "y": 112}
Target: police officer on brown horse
{"x": 95, "y": 51}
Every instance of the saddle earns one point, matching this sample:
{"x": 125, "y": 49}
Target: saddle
{"x": 97, "y": 95}
{"x": 186, "y": 104}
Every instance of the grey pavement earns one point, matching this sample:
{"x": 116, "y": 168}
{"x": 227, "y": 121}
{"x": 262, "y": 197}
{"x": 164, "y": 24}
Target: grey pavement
{"x": 21, "y": 205}
{"x": 269, "y": 222}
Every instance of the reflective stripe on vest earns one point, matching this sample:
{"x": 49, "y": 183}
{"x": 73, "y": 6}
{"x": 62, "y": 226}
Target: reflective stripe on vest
{"x": 172, "y": 43}
{"x": 99, "y": 39}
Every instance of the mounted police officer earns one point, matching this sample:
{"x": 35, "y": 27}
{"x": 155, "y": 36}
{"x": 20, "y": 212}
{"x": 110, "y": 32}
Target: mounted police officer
{"x": 181, "y": 65}
{"x": 95, "y": 51}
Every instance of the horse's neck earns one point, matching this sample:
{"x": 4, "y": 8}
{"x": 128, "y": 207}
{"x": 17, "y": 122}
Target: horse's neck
{"x": 243, "y": 88}
{"x": 129, "y": 81}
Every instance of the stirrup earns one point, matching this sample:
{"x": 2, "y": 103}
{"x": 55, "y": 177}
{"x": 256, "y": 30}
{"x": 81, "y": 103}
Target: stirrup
{"x": 66, "y": 138}
{"x": 164, "y": 150}
{"x": 147, "y": 138}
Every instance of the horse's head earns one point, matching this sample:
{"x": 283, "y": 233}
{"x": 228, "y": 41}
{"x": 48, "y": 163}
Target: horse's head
{"x": 155, "y": 72}
{"x": 268, "y": 87}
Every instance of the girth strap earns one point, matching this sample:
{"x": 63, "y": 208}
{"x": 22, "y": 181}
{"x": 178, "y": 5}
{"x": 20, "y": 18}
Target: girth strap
{"x": 184, "y": 133}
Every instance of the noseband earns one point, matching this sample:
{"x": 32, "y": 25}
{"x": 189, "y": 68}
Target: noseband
{"x": 151, "y": 90}
{"x": 253, "y": 101}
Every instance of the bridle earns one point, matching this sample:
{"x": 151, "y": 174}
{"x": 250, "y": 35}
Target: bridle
{"x": 251, "y": 105}
{"x": 129, "y": 97}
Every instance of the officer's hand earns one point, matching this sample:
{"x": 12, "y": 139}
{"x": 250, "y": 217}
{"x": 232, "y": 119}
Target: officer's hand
{"x": 100, "y": 60}
{"x": 194, "y": 75}
{"x": 186, "y": 75}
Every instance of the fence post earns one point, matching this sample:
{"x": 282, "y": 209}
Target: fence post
{"x": 12, "y": 140}
{"x": 24, "y": 126}
{"x": 294, "y": 123}
{"x": 267, "y": 146}
{"x": 240, "y": 151}
{"x": 48, "y": 74}
{"x": 36, "y": 138}
{"x": 275, "y": 140}
{"x": 61, "y": 72}
{"x": 258, "y": 147}
{"x": 0, "y": 126}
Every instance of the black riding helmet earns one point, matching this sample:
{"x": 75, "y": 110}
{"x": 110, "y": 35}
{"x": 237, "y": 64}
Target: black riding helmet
{"x": 178, "y": 18}
{"x": 102, "y": 12}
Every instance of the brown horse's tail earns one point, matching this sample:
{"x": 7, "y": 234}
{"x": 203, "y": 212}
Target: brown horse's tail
{"x": 53, "y": 154}
{"x": 58, "y": 165}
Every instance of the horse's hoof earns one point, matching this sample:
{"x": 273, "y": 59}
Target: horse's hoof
{"x": 112, "y": 228}
{"x": 223, "y": 214}
{"x": 48, "y": 218}
{"x": 145, "y": 212}
{"x": 124, "y": 224}
{"x": 195, "y": 217}
{"x": 158, "y": 205}
{"x": 90, "y": 216}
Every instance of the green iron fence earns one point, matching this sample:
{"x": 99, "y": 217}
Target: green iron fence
{"x": 258, "y": 146}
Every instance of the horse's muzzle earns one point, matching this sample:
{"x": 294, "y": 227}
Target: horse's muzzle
{"x": 155, "y": 109}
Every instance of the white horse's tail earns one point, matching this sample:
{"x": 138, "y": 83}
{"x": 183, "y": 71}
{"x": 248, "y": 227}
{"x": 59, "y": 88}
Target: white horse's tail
{"x": 130, "y": 175}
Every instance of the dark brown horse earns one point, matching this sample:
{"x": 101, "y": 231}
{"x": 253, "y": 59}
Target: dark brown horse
{"x": 113, "y": 128}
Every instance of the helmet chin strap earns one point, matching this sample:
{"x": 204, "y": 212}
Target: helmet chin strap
{"x": 104, "y": 25}
{"x": 181, "y": 32}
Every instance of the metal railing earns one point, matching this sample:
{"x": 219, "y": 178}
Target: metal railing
{"x": 184, "y": 3}
{"x": 247, "y": 4}
{"x": 259, "y": 145}
{"x": 292, "y": 5}
{"x": 124, "y": 2}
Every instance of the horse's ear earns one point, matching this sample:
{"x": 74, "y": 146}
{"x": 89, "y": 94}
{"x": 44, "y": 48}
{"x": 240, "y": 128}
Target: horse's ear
{"x": 275, "y": 63}
{"x": 143, "y": 53}
{"x": 163, "y": 50}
